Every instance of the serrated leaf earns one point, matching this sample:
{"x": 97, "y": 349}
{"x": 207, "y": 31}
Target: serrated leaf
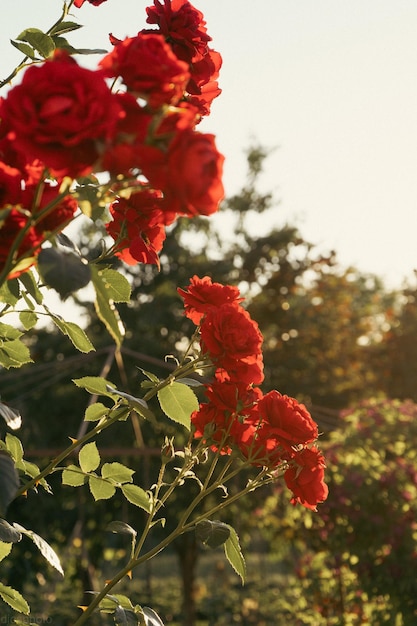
{"x": 212, "y": 533}
{"x": 65, "y": 27}
{"x": 14, "y": 599}
{"x": 117, "y": 472}
{"x": 11, "y": 416}
{"x": 121, "y": 528}
{"x": 95, "y": 412}
{"x": 178, "y": 402}
{"x": 234, "y": 554}
{"x": 9, "y": 482}
{"x": 73, "y": 476}
{"x": 29, "y": 281}
{"x": 43, "y": 546}
{"x": 139, "y": 405}
{"x": 101, "y": 489}
{"x": 28, "y": 319}
{"x": 10, "y": 292}
{"x": 137, "y": 496}
{"x": 9, "y": 333}
{"x": 95, "y": 385}
{"x": 89, "y": 457}
{"x": 151, "y": 617}
{"x": 24, "y": 48}
{"x": 149, "y": 375}
{"x": 5, "y": 549}
{"x": 14, "y": 446}
{"x": 40, "y": 41}
{"x": 14, "y": 354}
{"x": 117, "y": 285}
{"x": 8, "y": 533}
{"x": 190, "y": 382}
{"x": 105, "y": 309}
{"x": 76, "y": 334}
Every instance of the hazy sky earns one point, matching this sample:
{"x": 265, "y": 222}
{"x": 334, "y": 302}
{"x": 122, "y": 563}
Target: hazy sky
{"x": 331, "y": 84}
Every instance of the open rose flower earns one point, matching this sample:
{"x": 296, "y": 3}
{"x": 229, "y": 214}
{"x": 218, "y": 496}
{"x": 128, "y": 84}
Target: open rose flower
{"x": 149, "y": 68}
{"x": 202, "y": 295}
{"x": 61, "y": 114}
{"x": 305, "y": 478}
{"x": 232, "y": 340}
{"x": 137, "y": 227}
{"x": 190, "y": 174}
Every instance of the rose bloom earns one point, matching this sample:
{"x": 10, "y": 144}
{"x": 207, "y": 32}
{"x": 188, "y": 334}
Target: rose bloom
{"x": 202, "y": 295}
{"x": 60, "y": 113}
{"x": 191, "y": 175}
{"x": 305, "y": 478}
{"x": 10, "y": 185}
{"x": 96, "y": 3}
{"x": 233, "y": 342}
{"x": 137, "y": 227}
{"x": 10, "y": 228}
{"x": 286, "y": 420}
{"x": 149, "y": 68}
{"x": 183, "y": 25}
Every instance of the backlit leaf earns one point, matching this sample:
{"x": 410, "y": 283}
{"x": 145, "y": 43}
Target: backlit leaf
{"x": 89, "y": 457}
{"x": 178, "y": 402}
{"x": 43, "y": 546}
{"x": 234, "y": 554}
{"x": 14, "y": 599}
{"x": 101, "y": 489}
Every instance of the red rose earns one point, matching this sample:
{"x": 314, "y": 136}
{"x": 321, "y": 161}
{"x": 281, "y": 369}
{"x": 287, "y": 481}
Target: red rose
{"x": 61, "y": 113}
{"x": 183, "y": 25}
{"x": 10, "y": 185}
{"x": 286, "y": 420}
{"x": 305, "y": 478}
{"x": 149, "y": 68}
{"x": 137, "y": 227}
{"x": 10, "y": 228}
{"x": 233, "y": 342}
{"x": 202, "y": 295}
{"x": 191, "y": 176}
{"x": 96, "y": 3}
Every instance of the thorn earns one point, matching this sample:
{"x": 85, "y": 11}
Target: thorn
{"x": 73, "y": 440}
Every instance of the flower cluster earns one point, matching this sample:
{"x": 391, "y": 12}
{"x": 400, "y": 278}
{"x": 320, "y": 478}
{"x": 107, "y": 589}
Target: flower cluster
{"x": 270, "y": 430}
{"x": 134, "y": 117}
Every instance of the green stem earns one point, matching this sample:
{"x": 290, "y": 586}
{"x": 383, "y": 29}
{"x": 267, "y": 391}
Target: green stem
{"x": 105, "y": 423}
{"x": 25, "y": 59}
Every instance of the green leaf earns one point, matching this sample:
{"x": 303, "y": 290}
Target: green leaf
{"x": 9, "y": 333}
{"x": 43, "y": 546}
{"x": 30, "y": 283}
{"x": 89, "y": 457}
{"x": 75, "y": 334}
{"x": 117, "y": 472}
{"x": 100, "y": 489}
{"x": 14, "y": 599}
{"x": 137, "y": 496}
{"x": 9, "y": 481}
{"x": 212, "y": 533}
{"x": 5, "y": 549}
{"x": 28, "y": 319}
{"x": 104, "y": 305}
{"x": 11, "y": 416}
{"x": 14, "y": 354}
{"x": 24, "y": 48}
{"x": 117, "y": 286}
{"x": 151, "y": 617}
{"x": 9, "y": 292}
{"x": 40, "y": 41}
{"x": 121, "y": 528}
{"x": 139, "y": 405}
{"x": 234, "y": 554}
{"x": 8, "y": 533}
{"x": 178, "y": 402}
{"x": 14, "y": 446}
{"x": 95, "y": 385}
{"x": 95, "y": 412}
{"x": 65, "y": 27}
{"x": 73, "y": 476}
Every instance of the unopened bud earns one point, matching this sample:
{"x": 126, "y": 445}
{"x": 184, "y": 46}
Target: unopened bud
{"x": 167, "y": 451}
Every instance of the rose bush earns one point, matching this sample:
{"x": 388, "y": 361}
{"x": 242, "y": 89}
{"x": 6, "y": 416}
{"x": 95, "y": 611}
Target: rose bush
{"x": 120, "y": 144}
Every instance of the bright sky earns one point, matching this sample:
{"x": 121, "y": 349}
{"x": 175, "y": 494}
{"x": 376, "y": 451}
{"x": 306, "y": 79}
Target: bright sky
{"x": 330, "y": 84}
